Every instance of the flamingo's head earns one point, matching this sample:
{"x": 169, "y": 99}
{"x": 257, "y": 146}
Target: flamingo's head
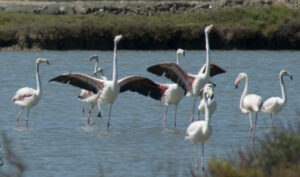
{"x": 42, "y": 60}
{"x": 208, "y": 90}
{"x": 94, "y": 57}
{"x": 241, "y": 76}
{"x": 180, "y": 51}
{"x": 285, "y": 73}
{"x": 208, "y": 28}
{"x": 98, "y": 71}
{"x": 118, "y": 38}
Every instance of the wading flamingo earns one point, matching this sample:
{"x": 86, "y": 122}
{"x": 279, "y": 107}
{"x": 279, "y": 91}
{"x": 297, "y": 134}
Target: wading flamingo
{"x": 86, "y": 96}
{"x": 194, "y": 83}
{"x": 200, "y": 131}
{"x": 108, "y": 90}
{"x": 274, "y": 105}
{"x": 211, "y": 102}
{"x": 27, "y": 97}
{"x": 249, "y": 103}
{"x": 173, "y": 93}
{"x": 91, "y": 98}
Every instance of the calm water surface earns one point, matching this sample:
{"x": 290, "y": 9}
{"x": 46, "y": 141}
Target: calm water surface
{"x": 59, "y": 143}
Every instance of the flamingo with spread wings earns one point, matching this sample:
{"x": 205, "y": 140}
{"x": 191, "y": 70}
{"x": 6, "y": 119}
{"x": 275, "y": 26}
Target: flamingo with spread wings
{"x": 108, "y": 90}
{"x": 193, "y": 83}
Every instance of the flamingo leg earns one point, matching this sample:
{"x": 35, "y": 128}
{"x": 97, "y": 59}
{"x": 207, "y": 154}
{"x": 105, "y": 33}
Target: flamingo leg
{"x": 165, "y": 117}
{"x": 202, "y": 157}
{"x": 26, "y": 119}
{"x": 108, "y": 122}
{"x": 93, "y": 120}
{"x": 196, "y": 159}
{"x": 192, "y": 117}
{"x": 253, "y": 137}
{"x": 175, "y": 115}
{"x": 89, "y": 115}
{"x": 250, "y": 129}
{"x": 82, "y": 111}
{"x": 99, "y": 112}
{"x": 272, "y": 121}
{"x": 198, "y": 117}
{"x": 18, "y": 115}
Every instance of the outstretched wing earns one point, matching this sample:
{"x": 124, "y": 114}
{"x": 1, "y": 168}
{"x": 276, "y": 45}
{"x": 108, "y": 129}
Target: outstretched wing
{"x": 173, "y": 72}
{"x": 214, "y": 69}
{"x": 80, "y": 80}
{"x": 141, "y": 85}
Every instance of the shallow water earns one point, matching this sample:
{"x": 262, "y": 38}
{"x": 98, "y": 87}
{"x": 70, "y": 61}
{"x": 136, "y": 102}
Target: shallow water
{"x": 58, "y": 141}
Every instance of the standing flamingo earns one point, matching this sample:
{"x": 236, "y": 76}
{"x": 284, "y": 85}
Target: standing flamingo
{"x": 194, "y": 83}
{"x": 249, "y": 103}
{"x": 211, "y": 102}
{"x": 200, "y": 131}
{"x": 88, "y": 96}
{"x": 274, "y": 105}
{"x": 85, "y": 94}
{"x": 173, "y": 93}
{"x": 27, "y": 97}
{"x": 108, "y": 90}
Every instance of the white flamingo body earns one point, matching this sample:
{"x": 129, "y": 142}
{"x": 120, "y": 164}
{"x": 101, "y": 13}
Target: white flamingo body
{"x": 88, "y": 97}
{"x": 27, "y": 97}
{"x": 249, "y": 103}
{"x": 173, "y": 94}
{"x": 200, "y": 131}
{"x": 274, "y": 105}
{"x": 110, "y": 92}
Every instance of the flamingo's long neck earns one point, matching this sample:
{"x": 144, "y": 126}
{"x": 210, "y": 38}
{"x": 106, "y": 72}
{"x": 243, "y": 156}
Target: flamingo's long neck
{"x": 243, "y": 96}
{"x": 282, "y": 86}
{"x": 207, "y": 70}
{"x": 38, "y": 80}
{"x": 207, "y": 116}
{"x": 115, "y": 71}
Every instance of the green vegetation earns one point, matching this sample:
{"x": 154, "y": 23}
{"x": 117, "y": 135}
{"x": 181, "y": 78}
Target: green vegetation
{"x": 278, "y": 155}
{"x": 236, "y": 28}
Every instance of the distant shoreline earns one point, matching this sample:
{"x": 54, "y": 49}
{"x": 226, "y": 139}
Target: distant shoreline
{"x": 43, "y": 27}
{"x": 133, "y": 7}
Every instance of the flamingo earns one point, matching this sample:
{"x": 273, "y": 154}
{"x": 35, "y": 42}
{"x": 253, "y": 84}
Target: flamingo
{"x": 88, "y": 96}
{"x": 211, "y": 102}
{"x": 200, "y": 131}
{"x": 193, "y": 83}
{"x": 173, "y": 93}
{"x": 274, "y": 105}
{"x": 91, "y": 98}
{"x": 108, "y": 90}
{"x": 249, "y": 103}
{"x": 27, "y": 97}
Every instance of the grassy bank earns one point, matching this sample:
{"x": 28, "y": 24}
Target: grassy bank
{"x": 237, "y": 28}
{"x": 277, "y": 156}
